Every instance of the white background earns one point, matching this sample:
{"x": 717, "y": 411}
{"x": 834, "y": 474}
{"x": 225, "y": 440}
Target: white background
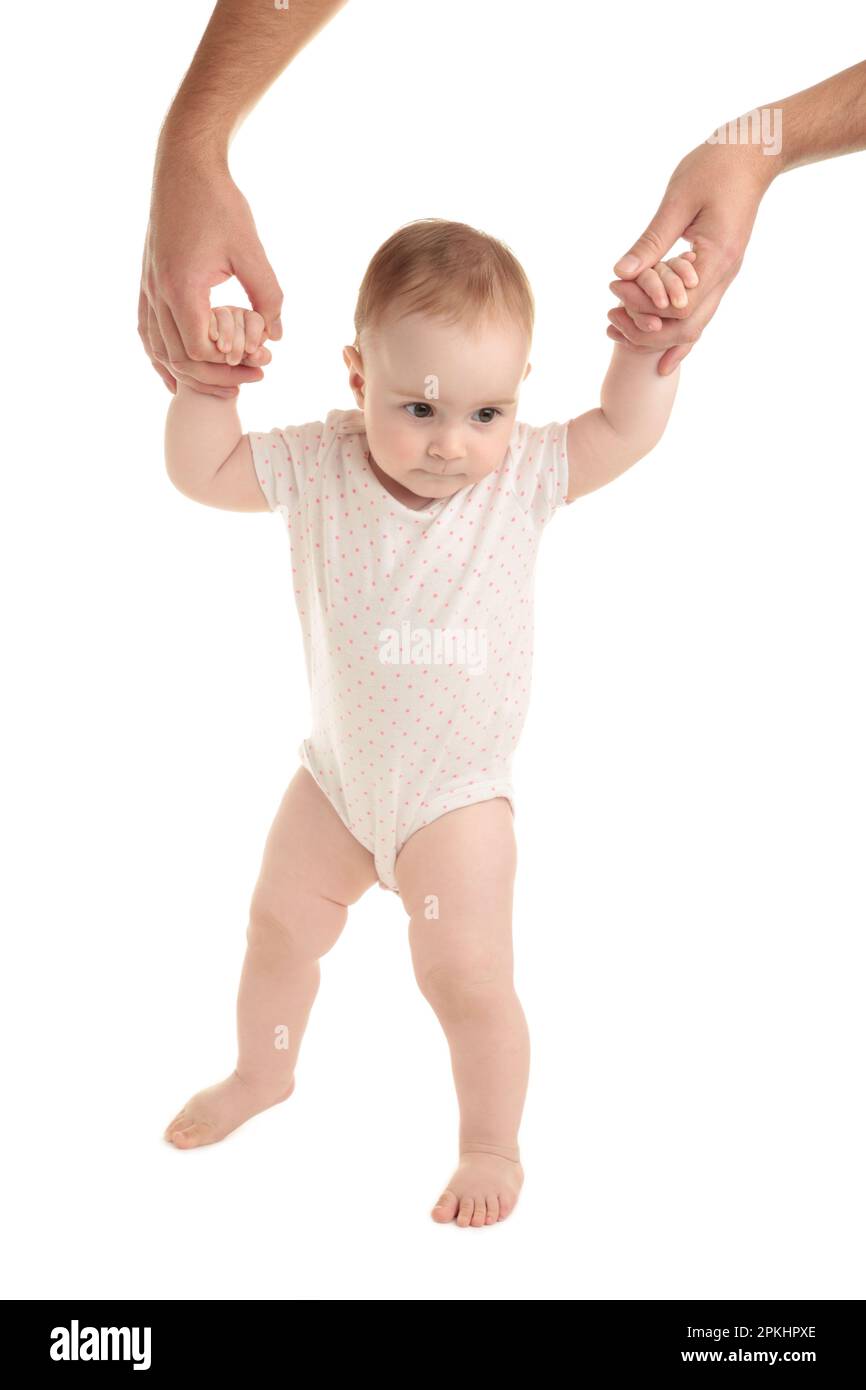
{"x": 690, "y": 814}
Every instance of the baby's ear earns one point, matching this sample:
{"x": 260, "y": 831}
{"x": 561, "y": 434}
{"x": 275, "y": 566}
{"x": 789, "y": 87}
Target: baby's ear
{"x": 352, "y": 359}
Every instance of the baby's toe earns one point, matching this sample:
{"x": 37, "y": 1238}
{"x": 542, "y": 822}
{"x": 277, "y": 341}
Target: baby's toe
{"x": 492, "y": 1210}
{"x": 178, "y": 1122}
{"x": 446, "y": 1207}
{"x": 467, "y": 1207}
{"x": 480, "y": 1214}
{"x": 193, "y": 1135}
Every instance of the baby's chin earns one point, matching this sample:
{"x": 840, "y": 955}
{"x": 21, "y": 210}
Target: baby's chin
{"x": 434, "y": 484}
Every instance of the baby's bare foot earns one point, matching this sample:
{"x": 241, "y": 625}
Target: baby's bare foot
{"x": 213, "y": 1113}
{"x": 482, "y": 1191}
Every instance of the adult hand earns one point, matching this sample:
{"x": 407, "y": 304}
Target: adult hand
{"x": 711, "y": 201}
{"x": 201, "y": 232}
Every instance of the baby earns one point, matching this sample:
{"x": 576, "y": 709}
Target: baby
{"x": 414, "y": 523}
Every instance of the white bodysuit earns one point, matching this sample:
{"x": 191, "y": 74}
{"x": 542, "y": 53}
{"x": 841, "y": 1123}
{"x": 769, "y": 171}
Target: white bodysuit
{"x": 417, "y": 624}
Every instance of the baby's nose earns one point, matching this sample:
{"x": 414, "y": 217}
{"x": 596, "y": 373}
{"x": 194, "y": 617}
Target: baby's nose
{"x": 447, "y": 450}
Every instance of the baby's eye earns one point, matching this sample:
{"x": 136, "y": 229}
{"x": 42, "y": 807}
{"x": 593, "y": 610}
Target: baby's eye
{"x": 491, "y": 411}
{"x": 422, "y": 404}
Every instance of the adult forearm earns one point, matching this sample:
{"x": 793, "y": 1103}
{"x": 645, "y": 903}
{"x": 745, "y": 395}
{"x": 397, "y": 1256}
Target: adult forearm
{"x": 245, "y": 47}
{"x": 825, "y": 120}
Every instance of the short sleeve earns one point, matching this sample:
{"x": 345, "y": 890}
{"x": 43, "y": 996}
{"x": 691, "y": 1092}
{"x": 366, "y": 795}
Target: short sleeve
{"x": 539, "y": 468}
{"x": 288, "y": 464}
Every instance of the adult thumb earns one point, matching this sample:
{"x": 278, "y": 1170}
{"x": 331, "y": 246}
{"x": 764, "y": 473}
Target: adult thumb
{"x": 256, "y": 274}
{"x": 666, "y": 227}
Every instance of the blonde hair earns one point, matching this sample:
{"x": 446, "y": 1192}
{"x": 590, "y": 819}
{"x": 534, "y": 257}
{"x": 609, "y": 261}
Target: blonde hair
{"x": 447, "y": 269}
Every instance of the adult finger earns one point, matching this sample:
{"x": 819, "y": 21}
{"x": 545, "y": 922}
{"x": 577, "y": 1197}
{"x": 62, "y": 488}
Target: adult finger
{"x": 214, "y": 373}
{"x": 223, "y": 392}
{"x": 165, "y": 374}
{"x": 656, "y": 341}
{"x": 142, "y": 320}
{"x": 618, "y": 338}
{"x": 713, "y": 265}
{"x": 183, "y": 310}
{"x": 667, "y": 226}
{"x": 157, "y": 346}
{"x": 259, "y": 357}
{"x": 144, "y": 313}
{"x": 254, "y": 270}
{"x": 673, "y": 357}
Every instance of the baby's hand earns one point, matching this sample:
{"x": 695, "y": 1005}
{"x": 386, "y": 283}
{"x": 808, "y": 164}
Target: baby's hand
{"x": 666, "y": 283}
{"x": 240, "y": 334}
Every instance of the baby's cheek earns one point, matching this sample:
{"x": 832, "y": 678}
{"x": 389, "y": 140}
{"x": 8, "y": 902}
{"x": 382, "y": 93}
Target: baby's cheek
{"x": 400, "y": 444}
{"x": 495, "y": 448}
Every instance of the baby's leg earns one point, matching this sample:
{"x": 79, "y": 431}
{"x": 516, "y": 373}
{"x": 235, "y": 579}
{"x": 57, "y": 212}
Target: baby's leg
{"x": 312, "y": 869}
{"x": 461, "y": 868}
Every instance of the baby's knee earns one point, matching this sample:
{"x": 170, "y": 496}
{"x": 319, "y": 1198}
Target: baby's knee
{"x": 467, "y": 985}
{"x": 303, "y": 928}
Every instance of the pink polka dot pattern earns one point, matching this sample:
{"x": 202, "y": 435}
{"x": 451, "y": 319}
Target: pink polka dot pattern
{"x": 396, "y": 744}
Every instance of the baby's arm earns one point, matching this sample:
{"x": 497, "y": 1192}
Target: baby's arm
{"x": 635, "y": 405}
{"x": 207, "y": 456}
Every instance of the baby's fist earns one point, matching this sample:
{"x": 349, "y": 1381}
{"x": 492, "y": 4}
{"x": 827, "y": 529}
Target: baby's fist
{"x": 240, "y": 334}
{"x": 667, "y": 281}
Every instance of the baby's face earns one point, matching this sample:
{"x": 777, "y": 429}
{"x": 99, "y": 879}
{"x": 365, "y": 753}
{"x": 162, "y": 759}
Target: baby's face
{"x": 439, "y": 400}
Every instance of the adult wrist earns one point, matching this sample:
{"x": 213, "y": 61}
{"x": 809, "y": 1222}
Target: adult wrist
{"x": 187, "y": 146}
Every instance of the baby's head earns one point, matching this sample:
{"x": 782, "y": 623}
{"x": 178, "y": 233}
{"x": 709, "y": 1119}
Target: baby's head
{"x": 443, "y": 328}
